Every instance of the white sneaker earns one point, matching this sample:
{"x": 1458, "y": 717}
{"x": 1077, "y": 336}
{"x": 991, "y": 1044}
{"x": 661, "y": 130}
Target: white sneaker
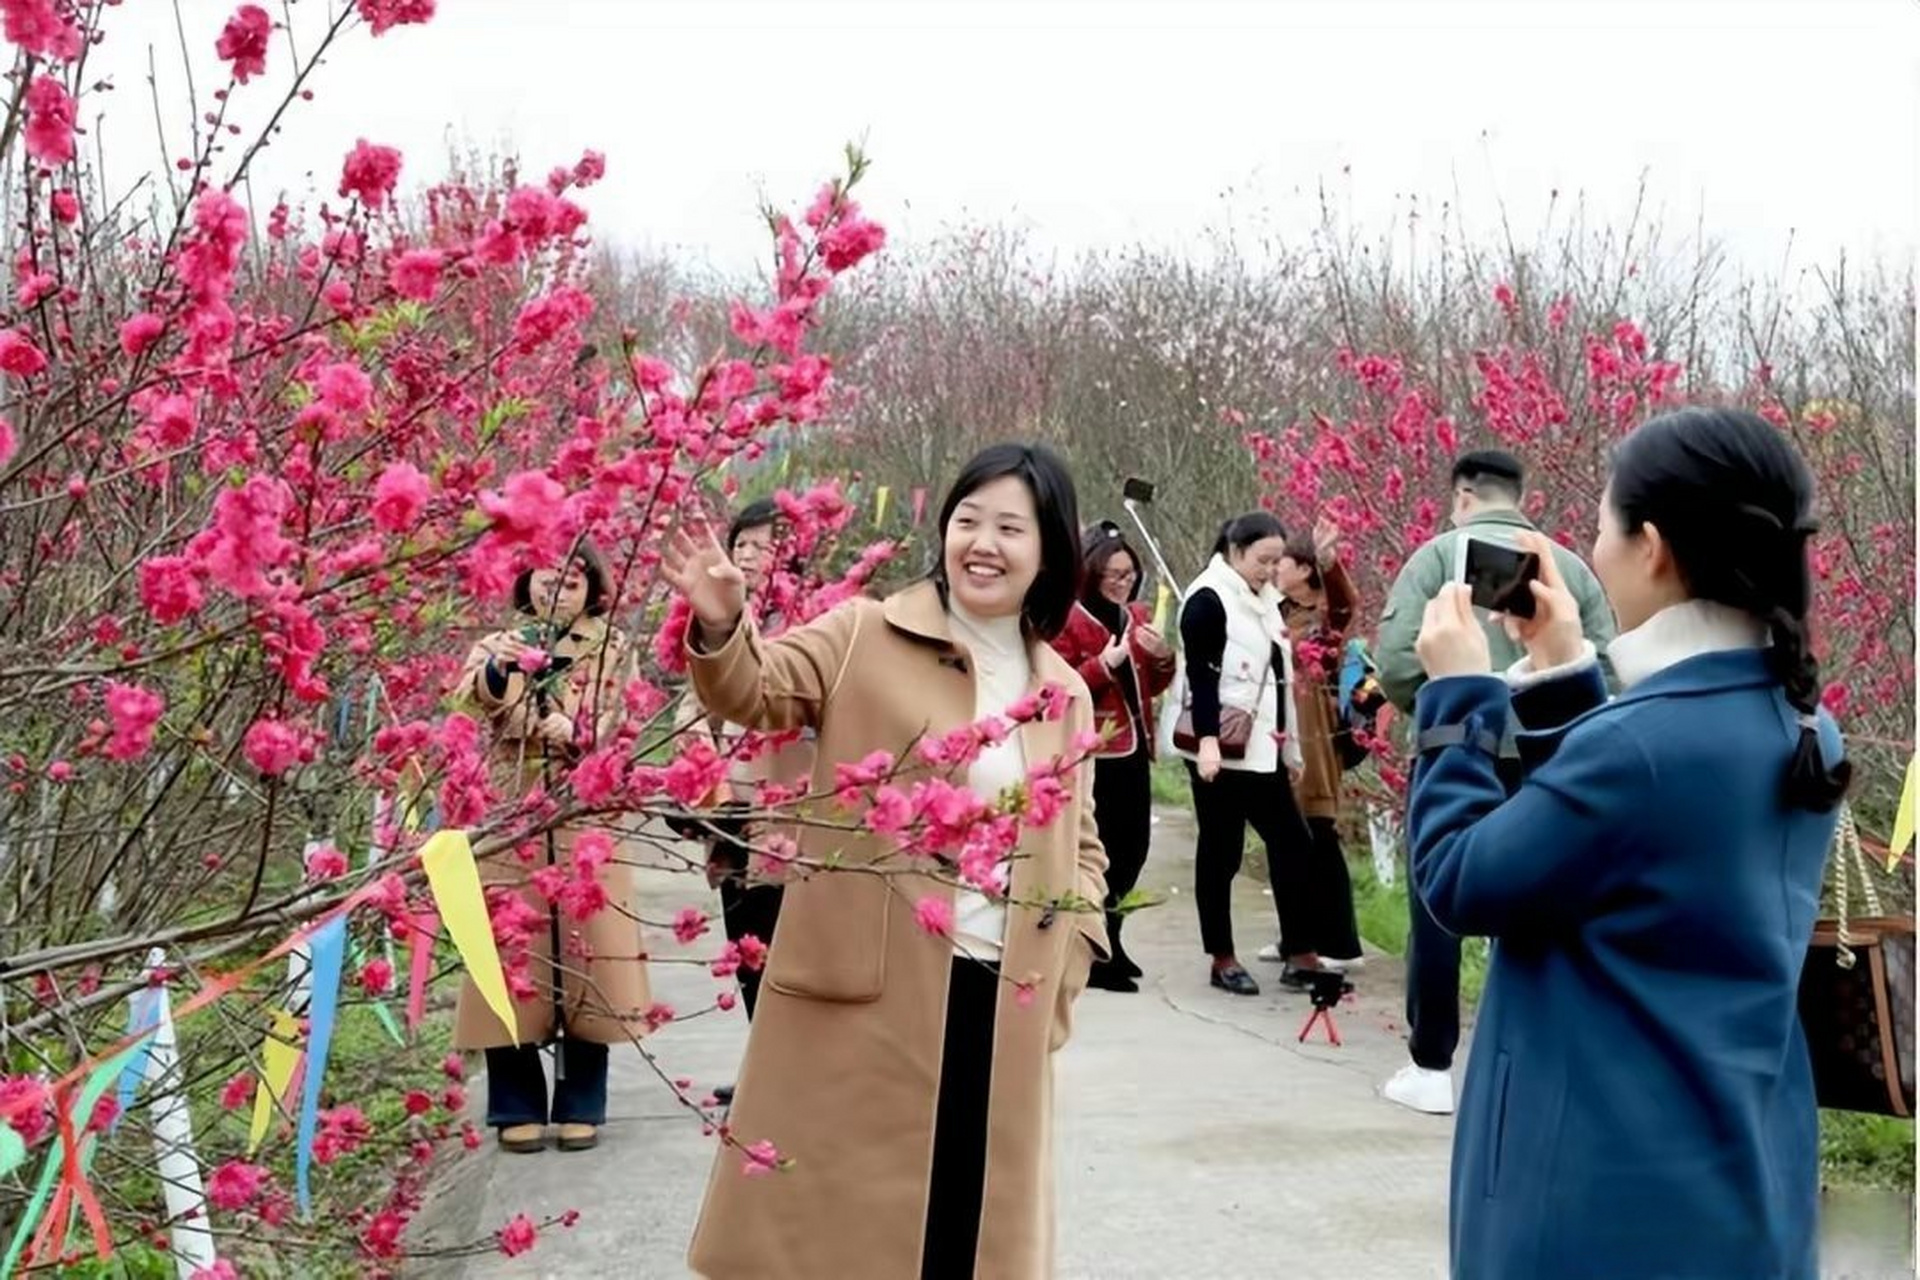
{"x": 1270, "y": 953}
{"x": 1418, "y": 1089}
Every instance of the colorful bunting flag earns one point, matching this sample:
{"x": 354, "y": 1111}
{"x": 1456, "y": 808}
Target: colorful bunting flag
{"x": 278, "y": 1058}
{"x": 1903, "y": 819}
{"x": 329, "y": 952}
{"x": 455, "y": 882}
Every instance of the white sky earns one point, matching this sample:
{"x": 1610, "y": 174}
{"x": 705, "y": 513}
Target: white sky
{"x": 1099, "y": 123}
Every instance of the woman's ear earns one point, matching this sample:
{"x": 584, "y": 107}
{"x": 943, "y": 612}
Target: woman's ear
{"x": 1656, "y": 554}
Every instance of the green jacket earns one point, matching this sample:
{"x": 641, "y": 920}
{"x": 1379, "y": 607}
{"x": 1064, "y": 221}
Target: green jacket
{"x": 1431, "y": 567}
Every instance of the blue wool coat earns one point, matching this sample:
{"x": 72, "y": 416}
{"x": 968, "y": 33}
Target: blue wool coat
{"x": 1639, "y": 1101}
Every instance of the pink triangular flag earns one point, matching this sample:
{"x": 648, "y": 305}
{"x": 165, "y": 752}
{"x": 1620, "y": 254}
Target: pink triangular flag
{"x": 425, "y": 925}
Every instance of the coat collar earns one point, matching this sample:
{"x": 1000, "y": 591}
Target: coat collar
{"x": 1508, "y": 517}
{"x": 920, "y": 613}
{"x": 1680, "y": 632}
{"x": 1706, "y": 673}
{"x": 1711, "y": 672}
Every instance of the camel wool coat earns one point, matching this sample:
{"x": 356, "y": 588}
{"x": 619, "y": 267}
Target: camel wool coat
{"x": 603, "y": 971}
{"x": 1316, "y": 693}
{"x": 842, "y": 1068}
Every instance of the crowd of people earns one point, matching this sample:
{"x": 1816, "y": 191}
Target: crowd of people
{"x": 1627, "y": 784}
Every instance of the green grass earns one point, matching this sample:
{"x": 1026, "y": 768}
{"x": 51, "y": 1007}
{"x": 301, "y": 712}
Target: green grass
{"x": 1866, "y": 1151}
{"x": 1170, "y": 784}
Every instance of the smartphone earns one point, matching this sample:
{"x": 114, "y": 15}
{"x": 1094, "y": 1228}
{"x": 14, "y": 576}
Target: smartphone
{"x": 1499, "y": 576}
{"x": 1137, "y": 490}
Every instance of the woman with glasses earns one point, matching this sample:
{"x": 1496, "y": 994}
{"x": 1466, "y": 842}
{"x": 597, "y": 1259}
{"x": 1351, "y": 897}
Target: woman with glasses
{"x": 1126, "y": 665}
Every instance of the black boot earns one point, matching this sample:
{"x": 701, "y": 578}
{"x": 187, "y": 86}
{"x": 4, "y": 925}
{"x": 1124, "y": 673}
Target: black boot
{"x": 1107, "y": 976}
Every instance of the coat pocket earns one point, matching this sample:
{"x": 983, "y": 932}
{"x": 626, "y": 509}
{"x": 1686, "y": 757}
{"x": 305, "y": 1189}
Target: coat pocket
{"x": 831, "y": 942}
{"x": 1073, "y": 984}
{"x": 1497, "y": 1135}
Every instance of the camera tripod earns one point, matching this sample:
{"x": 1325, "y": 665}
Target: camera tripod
{"x": 1326, "y": 990}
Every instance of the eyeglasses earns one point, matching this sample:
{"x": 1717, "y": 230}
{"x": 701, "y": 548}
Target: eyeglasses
{"x": 1119, "y": 575}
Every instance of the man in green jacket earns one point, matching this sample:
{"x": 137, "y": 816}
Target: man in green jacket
{"x": 1487, "y": 487}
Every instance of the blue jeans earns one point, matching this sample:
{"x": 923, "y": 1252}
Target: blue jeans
{"x": 517, "y": 1086}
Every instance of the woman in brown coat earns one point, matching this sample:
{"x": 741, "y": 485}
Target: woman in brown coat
{"x": 1318, "y": 603}
{"x": 900, "y": 1056}
{"x": 551, "y": 689}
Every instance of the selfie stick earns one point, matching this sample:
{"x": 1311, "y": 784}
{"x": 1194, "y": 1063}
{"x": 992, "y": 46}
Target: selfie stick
{"x": 1160, "y": 561}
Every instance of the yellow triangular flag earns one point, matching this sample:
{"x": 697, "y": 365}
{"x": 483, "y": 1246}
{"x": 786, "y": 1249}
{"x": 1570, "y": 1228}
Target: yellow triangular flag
{"x": 1903, "y": 819}
{"x": 278, "y": 1057}
{"x": 880, "y": 505}
{"x": 1161, "y": 600}
{"x": 455, "y": 882}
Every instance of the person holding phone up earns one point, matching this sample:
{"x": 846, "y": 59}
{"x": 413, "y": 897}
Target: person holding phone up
{"x": 1488, "y": 485}
{"x": 1110, "y": 641}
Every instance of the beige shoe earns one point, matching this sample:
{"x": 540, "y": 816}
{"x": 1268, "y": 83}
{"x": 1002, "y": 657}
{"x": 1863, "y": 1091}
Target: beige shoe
{"x": 579, "y": 1137}
{"x": 523, "y": 1139}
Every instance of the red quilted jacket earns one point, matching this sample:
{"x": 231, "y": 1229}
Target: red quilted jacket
{"x": 1081, "y": 643}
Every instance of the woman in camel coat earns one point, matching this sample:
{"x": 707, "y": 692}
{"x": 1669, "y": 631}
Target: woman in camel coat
{"x": 541, "y": 722}
{"x": 1319, "y": 602}
{"x": 906, "y": 1074}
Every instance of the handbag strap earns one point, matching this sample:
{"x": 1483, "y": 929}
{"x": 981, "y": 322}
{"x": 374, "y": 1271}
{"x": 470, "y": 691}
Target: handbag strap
{"x": 1849, "y": 863}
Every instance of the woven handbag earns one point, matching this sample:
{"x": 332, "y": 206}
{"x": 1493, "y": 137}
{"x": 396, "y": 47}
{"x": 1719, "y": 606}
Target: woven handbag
{"x": 1857, "y": 994}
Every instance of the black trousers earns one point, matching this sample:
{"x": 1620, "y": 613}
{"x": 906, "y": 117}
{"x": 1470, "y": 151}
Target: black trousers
{"x": 1123, "y": 811}
{"x": 745, "y": 908}
{"x": 958, "y": 1179}
{"x": 1433, "y": 973}
{"x": 1225, "y": 808}
{"x": 1330, "y": 895}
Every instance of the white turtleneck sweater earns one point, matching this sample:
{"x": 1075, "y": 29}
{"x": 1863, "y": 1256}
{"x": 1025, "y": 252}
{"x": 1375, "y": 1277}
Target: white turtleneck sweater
{"x": 1001, "y": 676}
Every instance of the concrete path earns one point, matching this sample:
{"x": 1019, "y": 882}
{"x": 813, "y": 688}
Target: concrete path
{"x": 1196, "y": 1137}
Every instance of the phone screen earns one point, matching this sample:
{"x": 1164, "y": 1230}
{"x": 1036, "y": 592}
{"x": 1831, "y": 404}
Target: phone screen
{"x": 1499, "y": 576}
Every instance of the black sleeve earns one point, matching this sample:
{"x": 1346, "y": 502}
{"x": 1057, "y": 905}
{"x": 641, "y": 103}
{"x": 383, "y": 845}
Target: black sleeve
{"x": 1203, "y": 635}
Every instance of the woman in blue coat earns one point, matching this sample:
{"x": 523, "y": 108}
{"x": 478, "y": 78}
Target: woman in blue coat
{"x": 1639, "y": 1101}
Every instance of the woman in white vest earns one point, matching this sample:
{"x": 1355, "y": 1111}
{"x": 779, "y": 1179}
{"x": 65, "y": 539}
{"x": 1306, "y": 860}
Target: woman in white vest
{"x": 1236, "y": 657}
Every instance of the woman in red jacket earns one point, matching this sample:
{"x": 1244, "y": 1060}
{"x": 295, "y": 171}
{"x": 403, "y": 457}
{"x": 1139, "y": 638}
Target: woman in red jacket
{"x": 1126, "y": 666}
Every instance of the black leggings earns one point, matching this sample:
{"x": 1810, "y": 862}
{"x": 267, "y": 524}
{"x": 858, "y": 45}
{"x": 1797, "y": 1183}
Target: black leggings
{"x": 1224, "y": 808}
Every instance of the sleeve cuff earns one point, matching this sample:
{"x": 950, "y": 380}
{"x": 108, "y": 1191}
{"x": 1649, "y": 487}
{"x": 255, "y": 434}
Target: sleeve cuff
{"x": 1521, "y": 675}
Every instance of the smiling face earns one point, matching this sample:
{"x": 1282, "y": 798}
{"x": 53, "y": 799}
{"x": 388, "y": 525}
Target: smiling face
{"x": 1118, "y": 577}
{"x": 1258, "y": 562}
{"x": 992, "y": 551}
{"x": 558, "y": 595}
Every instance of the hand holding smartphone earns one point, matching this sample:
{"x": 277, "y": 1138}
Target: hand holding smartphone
{"x": 1500, "y": 577}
